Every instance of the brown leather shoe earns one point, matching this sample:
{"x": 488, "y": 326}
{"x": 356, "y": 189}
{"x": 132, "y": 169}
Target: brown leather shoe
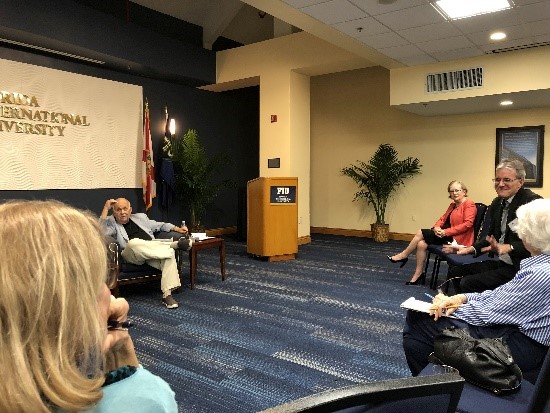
{"x": 169, "y": 302}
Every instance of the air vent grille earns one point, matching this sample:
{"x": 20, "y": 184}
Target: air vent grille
{"x": 521, "y": 47}
{"x": 456, "y": 80}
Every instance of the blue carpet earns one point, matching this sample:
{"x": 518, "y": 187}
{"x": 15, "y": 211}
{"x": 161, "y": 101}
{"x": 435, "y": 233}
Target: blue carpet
{"x": 277, "y": 331}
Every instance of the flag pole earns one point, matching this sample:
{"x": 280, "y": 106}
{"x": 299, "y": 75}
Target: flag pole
{"x": 148, "y": 164}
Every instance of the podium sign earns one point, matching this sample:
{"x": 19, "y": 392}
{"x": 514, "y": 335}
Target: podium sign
{"x": 282, "y": 195}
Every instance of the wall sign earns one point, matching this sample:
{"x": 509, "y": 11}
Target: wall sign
{"x": 282, "y": 195}
{"x": 63, "y": 130}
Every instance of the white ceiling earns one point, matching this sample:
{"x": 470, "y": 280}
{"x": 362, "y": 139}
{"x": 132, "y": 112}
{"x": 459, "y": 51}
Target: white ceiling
{"x": 410, "y": 32}
{"x": 389, "y": 33}
{"x": 413, "y": 32}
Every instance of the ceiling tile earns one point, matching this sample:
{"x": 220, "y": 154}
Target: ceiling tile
{"x": 302, "y": 3}
{"x": 423, "y": 59}
{"x": 383, "y": 40}
{"x": 542, "y": 38}
{"x": 534, "y": 12}
{"x": 430, "y": 31}
{"x": 334, "y": 11}
{"x": 537, "y": 28}
{"x": 369, "y": 26}
{"x": 447, "y": 55}
{"x": 412, "y": 17}
{"x": 439, "y": 45}
{"x": 523, "y": 2}
{"x": 375, "y": 8}
{"x": 402, "y": 51}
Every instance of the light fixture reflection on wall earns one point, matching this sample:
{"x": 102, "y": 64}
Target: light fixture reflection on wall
{"x": 506, "y": 103}
{"x": 172, "y": 127}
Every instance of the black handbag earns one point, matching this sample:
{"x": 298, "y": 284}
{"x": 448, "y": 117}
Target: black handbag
{"x": 485, "y": 362}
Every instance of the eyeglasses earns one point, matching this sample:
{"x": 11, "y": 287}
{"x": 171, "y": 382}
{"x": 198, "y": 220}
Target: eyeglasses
{"x": 452, "y": 191}
{"x": 504, "y": 180}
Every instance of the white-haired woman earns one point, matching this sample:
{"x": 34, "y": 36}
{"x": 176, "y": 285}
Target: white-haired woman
{"x": 56, "y": 352}
{"x": 494, "y": 313}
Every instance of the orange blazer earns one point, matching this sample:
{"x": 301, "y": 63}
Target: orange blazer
{"x": 462, "y": 222}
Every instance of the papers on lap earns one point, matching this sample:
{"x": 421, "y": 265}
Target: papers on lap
{"x": 456, "y": 244}
{"x": 418, "y": 305}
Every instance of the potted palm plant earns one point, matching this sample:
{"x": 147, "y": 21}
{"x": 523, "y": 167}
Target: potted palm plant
{"x": 195, "y": 175}
{"x": 377, "y": 181}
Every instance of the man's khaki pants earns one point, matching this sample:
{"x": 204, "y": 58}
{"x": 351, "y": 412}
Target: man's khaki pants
{"x": 157, "y": 254}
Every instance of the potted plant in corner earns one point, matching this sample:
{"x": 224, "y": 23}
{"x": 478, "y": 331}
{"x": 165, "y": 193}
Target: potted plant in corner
{"x": 378, "y": 179}
{"x": 195, "y": 175}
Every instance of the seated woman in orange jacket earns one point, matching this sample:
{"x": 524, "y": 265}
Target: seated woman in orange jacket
{"x": 457, "y": 223}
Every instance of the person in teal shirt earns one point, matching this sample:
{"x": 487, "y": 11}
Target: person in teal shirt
{"x": 63, "y": 342}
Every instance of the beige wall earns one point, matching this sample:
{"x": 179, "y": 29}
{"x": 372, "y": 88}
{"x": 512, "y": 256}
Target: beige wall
{"x": 283, "y": 67}
{"x": 350, "y": 117}
{"x": 328, "y": 121}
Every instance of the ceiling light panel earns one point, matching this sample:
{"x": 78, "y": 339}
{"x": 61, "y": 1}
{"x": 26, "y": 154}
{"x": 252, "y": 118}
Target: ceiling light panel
{"x": 453, "y": 9}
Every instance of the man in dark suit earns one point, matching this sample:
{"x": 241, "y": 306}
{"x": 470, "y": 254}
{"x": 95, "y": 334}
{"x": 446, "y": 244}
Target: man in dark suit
{"x": 501, "y": 240}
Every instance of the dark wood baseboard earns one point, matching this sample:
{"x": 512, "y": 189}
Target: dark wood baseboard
{"x": 215, "y": 232}
{"x": 318, "y": 230}
{"x": 304, "y": 240}
{"x": 358, "y": 233}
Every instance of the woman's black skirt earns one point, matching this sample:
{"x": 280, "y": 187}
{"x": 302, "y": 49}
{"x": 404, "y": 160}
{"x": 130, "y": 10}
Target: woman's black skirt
{"x": 431, "y": 238}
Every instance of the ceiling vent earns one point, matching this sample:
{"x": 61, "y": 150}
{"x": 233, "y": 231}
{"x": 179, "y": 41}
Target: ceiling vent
{"x": 520, "y": 47}
{"x": 456, "y": 80}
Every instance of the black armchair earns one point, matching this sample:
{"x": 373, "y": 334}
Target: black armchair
{"x": 124, "y": 273}
{"x": 412, "y": 394}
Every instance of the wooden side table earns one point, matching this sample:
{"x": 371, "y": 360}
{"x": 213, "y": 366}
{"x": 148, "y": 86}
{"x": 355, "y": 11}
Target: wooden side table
{"x": 204, "y": 245}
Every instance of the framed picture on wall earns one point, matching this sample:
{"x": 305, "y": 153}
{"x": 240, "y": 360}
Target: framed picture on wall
{"x": 526, "y": 144}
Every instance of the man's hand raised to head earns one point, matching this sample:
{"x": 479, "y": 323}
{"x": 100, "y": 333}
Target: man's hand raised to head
{"x": 108, "y": 205}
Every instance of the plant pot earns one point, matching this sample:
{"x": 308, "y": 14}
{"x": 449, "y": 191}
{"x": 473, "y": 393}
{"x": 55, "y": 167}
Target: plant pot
{"x": 380, "y": 232}
{"x": 198, "y": 228}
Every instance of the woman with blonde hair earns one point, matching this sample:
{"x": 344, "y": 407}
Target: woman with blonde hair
{"x": 55, "y": 306}
{"x": 456, "y": 224}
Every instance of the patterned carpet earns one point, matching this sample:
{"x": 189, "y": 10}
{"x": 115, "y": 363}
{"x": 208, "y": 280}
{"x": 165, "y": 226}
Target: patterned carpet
{"x": 274, "y": 332}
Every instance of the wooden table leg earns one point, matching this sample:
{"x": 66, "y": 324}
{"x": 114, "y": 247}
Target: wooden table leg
{"x": 203, "y": 245}
{"x": 222, "y": 258}
{"x": 192, "y": 266}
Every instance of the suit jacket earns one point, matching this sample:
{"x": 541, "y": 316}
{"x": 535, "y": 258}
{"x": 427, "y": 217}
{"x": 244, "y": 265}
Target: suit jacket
{"x": 116, "y": 230}
{"x": 523, "y": 196}
{"x": 462, "y": 222}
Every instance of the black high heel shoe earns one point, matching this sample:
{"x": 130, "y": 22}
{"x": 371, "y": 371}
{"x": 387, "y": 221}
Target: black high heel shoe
{"x": 422, "y": 279}
{"x": 403, "y": 261}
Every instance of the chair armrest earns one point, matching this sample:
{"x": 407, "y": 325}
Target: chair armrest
{"x": 372, "y": 394}
{"x": 167, "y": 235}
{"x": 113, "y": 254}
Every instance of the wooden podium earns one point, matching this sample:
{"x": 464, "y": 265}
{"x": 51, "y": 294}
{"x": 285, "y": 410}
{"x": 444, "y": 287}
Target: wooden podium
{"x": 272, "y": 217}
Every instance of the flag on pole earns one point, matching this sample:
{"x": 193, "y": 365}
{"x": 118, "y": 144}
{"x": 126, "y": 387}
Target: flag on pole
{"x": 167, "y": 144}
{"x": 148, "y": 166}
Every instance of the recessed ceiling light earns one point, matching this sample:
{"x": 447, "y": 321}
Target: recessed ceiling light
{"x": 454, "y": 9}
{"x": 498, "y": 36}
{"x": 506, "y": 103}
